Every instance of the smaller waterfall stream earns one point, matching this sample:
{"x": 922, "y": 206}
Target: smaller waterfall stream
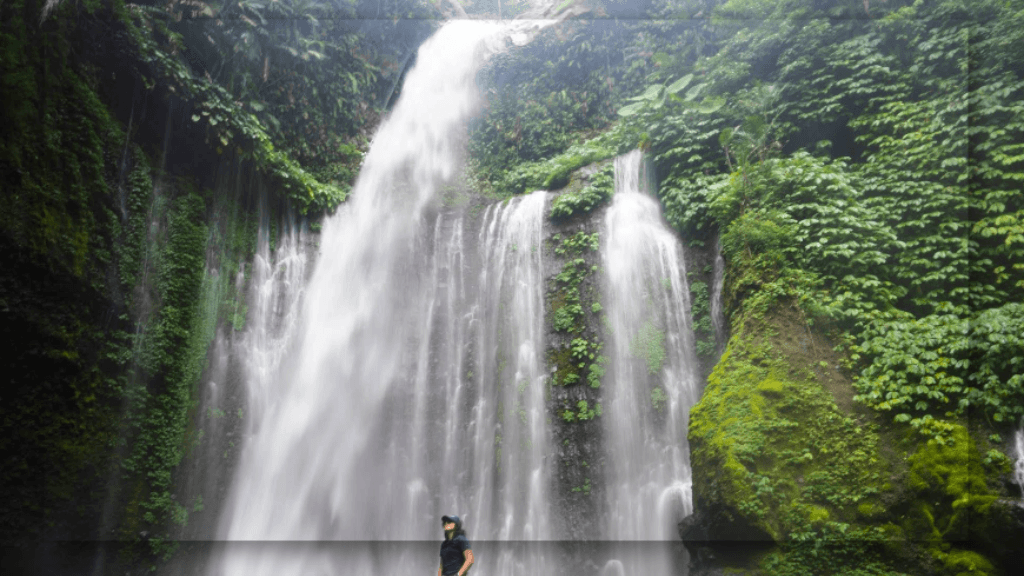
{"x": 717, "y": 313}
{"x": 1018, "y": 466}
{"x": 653, "y": 361}
{"x": 276, "y": 289}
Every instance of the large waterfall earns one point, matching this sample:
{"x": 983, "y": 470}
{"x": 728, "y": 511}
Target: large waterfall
{"x": 403, "y": 377}
{"x": 412, "y": 381}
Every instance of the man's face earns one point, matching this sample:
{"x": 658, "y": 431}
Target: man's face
{"x": 449, "y": 526}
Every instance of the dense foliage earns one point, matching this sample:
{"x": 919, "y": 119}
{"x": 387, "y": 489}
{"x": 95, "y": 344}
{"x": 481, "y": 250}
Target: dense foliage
{"x": 294, "y": 85}
{"x": 869, "y": 171}
{"x": 66, "y": 267}
{"x": 865, "y": 160}
{"x": 859, "y": 160}
{"x": 544, "y": 100}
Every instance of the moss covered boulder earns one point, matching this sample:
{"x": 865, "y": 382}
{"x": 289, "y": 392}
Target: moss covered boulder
{"x": 791, "y": 477}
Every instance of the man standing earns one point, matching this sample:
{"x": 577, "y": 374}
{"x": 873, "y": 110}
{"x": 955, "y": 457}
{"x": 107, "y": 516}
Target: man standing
{"x": 456, "y": 557}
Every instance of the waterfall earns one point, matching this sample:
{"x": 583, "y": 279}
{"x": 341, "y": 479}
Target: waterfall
{"x": 717, "y": 314}
{"x": 1018, "y": 467}
{"x": 404, "y": 379}
{"x": 275, "y": 296}
{"x": 653, "y": 366}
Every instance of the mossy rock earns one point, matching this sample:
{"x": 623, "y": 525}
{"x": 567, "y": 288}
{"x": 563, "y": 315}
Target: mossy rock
{"x": 778, "y": 458}
{"x": 774, "y": 458}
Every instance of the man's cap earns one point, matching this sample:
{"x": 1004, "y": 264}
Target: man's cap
{"x": 447, "y": 519}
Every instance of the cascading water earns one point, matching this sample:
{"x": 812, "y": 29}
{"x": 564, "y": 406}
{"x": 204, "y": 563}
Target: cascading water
{"x": 653, "y": 366}
{"x": 278, "y": 281}
{"x": 1018, "y": 467}
{"x": 717, "y": 314}
{"x": 273, "y": 292}
{"x": 404, "y": 377}
{"x": 413, "y": 383}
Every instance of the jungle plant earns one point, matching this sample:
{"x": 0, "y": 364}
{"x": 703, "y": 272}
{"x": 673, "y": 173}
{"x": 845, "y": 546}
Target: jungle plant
{"x": 649, "y": 345}
{"x": 574, "y": 203}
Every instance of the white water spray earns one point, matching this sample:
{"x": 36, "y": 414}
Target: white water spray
{"x": 654, "y": 379}
{"x": 405, "y": 378}
{"x": 1018, "y": 467}
{"x": 717, "y": 313}
{"x": 411, "y": 384}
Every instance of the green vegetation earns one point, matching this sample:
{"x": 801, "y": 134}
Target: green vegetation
{"x": 948, "y": 363}
{"x": 290, "y": 85}
{"x": 583, "y": 412}
{"x": 831, "y": 487}
{"x": 700, "y": 312}
{"x": 549, "y": 101}
{"x": 580, "y": 357}
{"x": 867, "y": 169}
{"x": 69, "y": 260}
{"x": 585, "y": 488}
{"x": 577, "y": 202}
{"x": 112, "y": 291}
{"x": 649, "y": 345}
{"x": 864, "y": 174}
{"x": 785, "y": 447}
{"x": 554, "y": 173}
{"x": 658, "y": 398}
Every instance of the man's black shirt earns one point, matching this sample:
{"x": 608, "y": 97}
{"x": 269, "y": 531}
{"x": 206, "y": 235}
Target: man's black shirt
{"x": 452, "y": 554}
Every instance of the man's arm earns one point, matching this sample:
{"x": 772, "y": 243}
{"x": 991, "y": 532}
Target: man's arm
{"x": 468, "y": 555}
{"x": 439, "y": 566}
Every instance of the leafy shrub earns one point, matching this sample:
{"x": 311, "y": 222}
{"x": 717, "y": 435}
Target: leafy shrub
{"x": 574, "y": 203}
{"x": 649, "y": 345}
{"x": 943, "y": 365}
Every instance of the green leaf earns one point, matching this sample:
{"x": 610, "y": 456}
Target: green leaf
{"x": 653, "y": 92}
{"x": 725, "y": 137}
{"x": 692, "y": 93}
{"x": 631, "y": 109}
{"x": 678, "y": 85}
{"x": 711, "y": 105}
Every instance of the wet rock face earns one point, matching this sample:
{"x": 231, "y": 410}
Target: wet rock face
{"x": 1000, "y": 534}
{"x": 718, "y": 537}
{"x": 577, "y": 442}
{"x": 719, "y": 527}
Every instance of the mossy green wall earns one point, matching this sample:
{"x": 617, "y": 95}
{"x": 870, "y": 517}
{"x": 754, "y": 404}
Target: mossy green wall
{"x": 575, "y": 341}
{"x": 826, "y": 489}
{"x": 65, "y": 260}
{"x": 114, "y": 277}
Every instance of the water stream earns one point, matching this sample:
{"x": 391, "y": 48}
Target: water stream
{"x": 717, "y": 313}
{"x": 1018, "y": 466}
{"x": 404, "y": 379}
{"x": 654, "y": 370}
